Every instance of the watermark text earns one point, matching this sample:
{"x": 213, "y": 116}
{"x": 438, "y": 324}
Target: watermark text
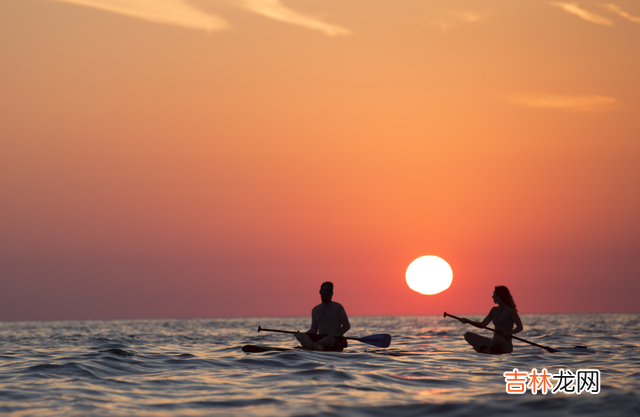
{"x": 565, "y": 381}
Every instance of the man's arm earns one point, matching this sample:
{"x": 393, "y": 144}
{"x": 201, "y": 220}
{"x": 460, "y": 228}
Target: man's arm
{"x": 344, "y": 321}
{"x": 314, "y": 323}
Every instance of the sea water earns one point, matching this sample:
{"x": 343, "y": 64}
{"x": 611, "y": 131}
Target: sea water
{"x": 195, "y": 367}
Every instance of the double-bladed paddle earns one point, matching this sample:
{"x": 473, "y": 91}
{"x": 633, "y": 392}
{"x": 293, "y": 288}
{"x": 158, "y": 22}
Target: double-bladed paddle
{"x": 378, "y": 340}
{"x": 548, "y": 349}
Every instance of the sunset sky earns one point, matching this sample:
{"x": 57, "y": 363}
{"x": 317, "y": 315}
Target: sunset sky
{"x": 221, "y": 158}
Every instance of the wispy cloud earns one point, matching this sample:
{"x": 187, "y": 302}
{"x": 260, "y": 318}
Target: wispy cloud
{"x": 617, "y": 10}
{"x": 445, "y": 20}
{"x": 170, "y": 12}
{"x": 574, "y": 9}
{"x": 580, "y": 103}
{"x": 181, "y": 13}
{"x": 274, "y": 9}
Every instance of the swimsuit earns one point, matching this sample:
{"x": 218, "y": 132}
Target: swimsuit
{"x": 504, "y": 322}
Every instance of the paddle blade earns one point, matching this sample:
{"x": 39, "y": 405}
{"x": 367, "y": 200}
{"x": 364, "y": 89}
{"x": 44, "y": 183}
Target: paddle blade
{"x": 379, "y": 340}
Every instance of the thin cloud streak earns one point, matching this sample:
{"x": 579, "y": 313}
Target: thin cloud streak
{"x": 180, "y": 13}
{"x": 617, "y": 10}
{"x": 448, "y": 20}
{"x": 274, "y": 9}
{"x": 170, "y": 12}
{"x": 581, "y": 104}
{"x": 573, "y": 9}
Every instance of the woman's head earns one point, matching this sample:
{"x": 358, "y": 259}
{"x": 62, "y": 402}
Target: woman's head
{"x": 504, "y": 294}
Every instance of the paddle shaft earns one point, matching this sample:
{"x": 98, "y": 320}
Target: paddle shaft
{"x": 495, "y": 331}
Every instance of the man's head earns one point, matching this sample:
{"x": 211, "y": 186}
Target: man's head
{"x": 326, "y": 292}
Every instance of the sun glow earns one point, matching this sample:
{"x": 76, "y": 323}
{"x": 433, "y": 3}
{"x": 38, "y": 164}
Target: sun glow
{"x": 429, "y": 275}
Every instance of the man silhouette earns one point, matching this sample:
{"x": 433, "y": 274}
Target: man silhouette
{"x": 329, "y": 323}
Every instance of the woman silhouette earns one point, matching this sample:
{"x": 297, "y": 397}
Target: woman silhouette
{"x": 504, "y": 316}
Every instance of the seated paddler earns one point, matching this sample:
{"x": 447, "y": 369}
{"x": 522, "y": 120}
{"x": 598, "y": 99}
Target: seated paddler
{"x": 329, "y": 323}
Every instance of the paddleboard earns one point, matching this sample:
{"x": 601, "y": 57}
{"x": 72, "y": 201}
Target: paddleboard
{"x": 260, "y": 348}
{"x": 576, "y": 349}
{"x": 394, "y": 352}
{"x": 572, "y": 350}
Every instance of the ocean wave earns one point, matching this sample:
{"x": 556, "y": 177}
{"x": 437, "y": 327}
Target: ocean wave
{"x": 196, "y": 367}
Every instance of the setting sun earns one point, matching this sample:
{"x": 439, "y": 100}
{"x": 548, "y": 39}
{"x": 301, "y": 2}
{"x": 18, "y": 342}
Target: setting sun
{"x": 242, "y": 152}
{"x": 429, "y": 275}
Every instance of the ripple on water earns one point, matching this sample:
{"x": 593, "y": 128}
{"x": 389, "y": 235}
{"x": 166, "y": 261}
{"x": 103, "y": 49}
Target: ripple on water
{"x": 195, "y": 367}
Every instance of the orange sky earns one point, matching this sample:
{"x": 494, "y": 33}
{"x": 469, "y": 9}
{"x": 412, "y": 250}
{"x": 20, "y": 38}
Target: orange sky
{"x": 203, "y": 158}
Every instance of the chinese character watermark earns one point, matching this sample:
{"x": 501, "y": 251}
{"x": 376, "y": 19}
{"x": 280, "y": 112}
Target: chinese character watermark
{"x": 584, "y": 380}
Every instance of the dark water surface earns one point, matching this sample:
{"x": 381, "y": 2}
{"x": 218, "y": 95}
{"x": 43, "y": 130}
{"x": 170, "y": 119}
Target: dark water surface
{"x": 194, "y": 367}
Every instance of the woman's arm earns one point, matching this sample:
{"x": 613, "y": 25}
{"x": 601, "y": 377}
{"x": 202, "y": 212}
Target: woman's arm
{"x": 344, "y": 321}
{"x": 516, "y": 319}
{"x": 483, "y": 323}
